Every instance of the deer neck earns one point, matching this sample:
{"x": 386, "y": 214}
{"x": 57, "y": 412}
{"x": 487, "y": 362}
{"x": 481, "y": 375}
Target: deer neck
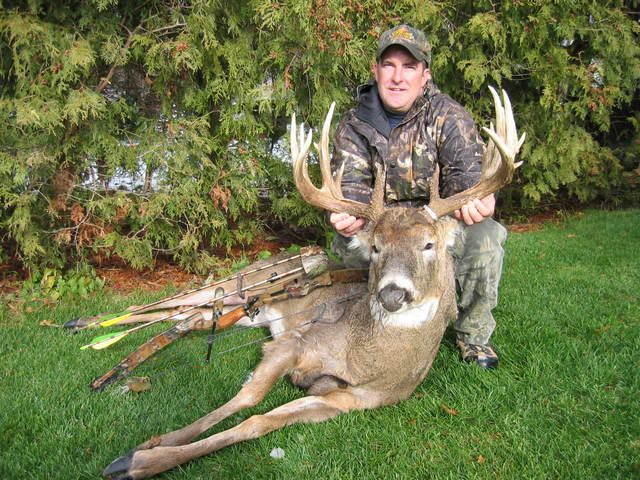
{"x": 417, "y": 316}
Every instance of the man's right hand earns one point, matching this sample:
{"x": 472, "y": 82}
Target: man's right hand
{"x": 346, "y": 225}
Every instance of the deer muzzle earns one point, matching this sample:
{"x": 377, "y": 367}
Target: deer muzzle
{"x": 392, "y": 297}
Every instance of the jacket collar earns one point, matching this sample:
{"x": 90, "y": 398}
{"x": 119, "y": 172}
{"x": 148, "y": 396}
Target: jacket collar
{"x": 371, "y": 111}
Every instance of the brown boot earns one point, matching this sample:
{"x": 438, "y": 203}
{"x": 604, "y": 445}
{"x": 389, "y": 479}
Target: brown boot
{"x": 483, "y": 355}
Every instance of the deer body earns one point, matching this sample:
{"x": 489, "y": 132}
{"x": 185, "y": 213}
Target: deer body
{"x": 356, "y": 356}
{"x": 387, "y": 354}
{"x": 359, "y": 354}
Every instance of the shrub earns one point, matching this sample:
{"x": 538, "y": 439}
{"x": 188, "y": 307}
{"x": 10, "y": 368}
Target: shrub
{"x": 152, "y": 129}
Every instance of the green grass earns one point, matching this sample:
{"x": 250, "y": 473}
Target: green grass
{"x": 564, "y": 402}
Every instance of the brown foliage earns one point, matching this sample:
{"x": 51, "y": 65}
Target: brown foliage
{"x": 220, "y": 197}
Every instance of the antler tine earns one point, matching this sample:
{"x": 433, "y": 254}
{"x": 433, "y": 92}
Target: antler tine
{"x": 501, "y": 126}
{"x": 300, "y": 147}
{"x": 377, "y": 195}
{"x": 491, "y": 152}
{"x": 329, "y": 196}
{"x": 511, "y": 122}
{"x": 511, "y": 125}
{"x": 506, "y": 139}
{"x": 323, "y": 151}
{"x": 492, "y": 159}
{"x": 497, "y": 163}
{"x": 434, "y": 183}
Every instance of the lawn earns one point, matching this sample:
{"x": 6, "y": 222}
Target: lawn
{"x": 564, "y": 402}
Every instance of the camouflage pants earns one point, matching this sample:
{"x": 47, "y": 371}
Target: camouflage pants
{"x": 478, "y": 255}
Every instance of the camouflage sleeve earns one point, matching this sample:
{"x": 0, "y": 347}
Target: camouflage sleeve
{"x": 460, "y": 152}
{"x": 351, "y": 150}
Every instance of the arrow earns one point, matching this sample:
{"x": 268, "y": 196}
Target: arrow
{"x": 115, "y": 318}
{"x": 104, "y": 341}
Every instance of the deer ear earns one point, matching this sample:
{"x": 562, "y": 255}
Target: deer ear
{"x": 450, "y": 230}
{"x": 355, "y": 252}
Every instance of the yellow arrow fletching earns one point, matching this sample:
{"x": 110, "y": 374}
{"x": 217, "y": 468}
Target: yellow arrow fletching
{"x": 114, "y": 321}
{"x": 104, "y": 341}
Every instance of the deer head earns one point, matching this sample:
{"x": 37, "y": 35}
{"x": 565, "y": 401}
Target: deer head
{"x": 410, "y": 269}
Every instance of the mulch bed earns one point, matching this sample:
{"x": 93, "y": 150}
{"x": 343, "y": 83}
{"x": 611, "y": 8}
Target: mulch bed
{"x": 533, "y": 223}
{"x": 124, "y": 279}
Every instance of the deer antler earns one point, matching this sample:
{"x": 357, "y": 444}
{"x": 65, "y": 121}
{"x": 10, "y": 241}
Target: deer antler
{"x": 497, "y": 163}
{"x": 329, "y": 196}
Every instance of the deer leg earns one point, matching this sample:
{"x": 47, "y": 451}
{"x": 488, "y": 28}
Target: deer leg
{"x": 146, "y": 463}
{"x": 277, "y": 362}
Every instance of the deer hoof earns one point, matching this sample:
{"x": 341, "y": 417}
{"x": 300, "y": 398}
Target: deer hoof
{"x": 119, "y": 468}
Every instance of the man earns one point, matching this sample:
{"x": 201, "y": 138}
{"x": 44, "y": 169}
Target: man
{"x": 405, "y": 122}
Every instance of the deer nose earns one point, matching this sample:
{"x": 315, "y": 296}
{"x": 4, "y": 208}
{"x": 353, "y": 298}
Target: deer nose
{"x": 392, "y": 297}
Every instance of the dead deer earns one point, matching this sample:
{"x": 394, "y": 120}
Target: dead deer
{"x": 383, "y": 344}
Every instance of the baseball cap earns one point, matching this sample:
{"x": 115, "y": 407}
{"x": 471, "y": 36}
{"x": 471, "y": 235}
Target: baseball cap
{"x": 408, "y": 37}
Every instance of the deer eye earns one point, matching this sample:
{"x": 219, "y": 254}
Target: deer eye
{"x": 374, "y": 249}
{"x": 428, "y": 246}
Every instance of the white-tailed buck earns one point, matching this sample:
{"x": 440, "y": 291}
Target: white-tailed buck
{"x": 378, "y": 348}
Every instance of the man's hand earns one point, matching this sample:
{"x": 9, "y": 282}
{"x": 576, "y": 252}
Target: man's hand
{"x": 477, "y": 210}
{"x": 346, "y": 225}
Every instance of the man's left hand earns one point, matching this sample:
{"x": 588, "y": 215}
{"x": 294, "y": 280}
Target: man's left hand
{"x": 477, "y": 210}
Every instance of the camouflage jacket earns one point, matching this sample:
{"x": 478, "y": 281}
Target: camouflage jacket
{"x": 436, "y": 128}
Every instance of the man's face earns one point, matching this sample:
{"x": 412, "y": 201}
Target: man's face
{"x": 401, "y": 78}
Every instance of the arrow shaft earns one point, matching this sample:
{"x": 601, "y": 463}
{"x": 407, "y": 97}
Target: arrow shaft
{"x": 192, "y": 308}
{"x": 218, "y": 282}
{"x": 212, "y": 302}
{"x": 115, "y": 318}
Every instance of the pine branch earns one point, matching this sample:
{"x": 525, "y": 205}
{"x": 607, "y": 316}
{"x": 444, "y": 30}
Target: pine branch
{"x": 107, "y": 80}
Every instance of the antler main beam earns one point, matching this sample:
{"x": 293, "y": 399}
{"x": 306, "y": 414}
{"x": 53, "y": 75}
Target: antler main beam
{"x": 329, "y": 196}
{"x": 497, "y": 163}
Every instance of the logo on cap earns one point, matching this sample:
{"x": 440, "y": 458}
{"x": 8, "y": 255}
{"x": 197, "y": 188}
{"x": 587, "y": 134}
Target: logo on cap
{"x": 402, "y": 34}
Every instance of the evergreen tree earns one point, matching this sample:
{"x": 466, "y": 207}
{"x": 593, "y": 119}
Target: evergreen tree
{"x": 139, "y": 129}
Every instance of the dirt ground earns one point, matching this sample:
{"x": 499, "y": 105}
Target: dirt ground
{"x": 534, "y": 223}
{"x": 124, "y": 279}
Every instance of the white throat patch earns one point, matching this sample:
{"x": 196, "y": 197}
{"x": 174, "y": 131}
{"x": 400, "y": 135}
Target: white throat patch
{"x": 413, "y": 317}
